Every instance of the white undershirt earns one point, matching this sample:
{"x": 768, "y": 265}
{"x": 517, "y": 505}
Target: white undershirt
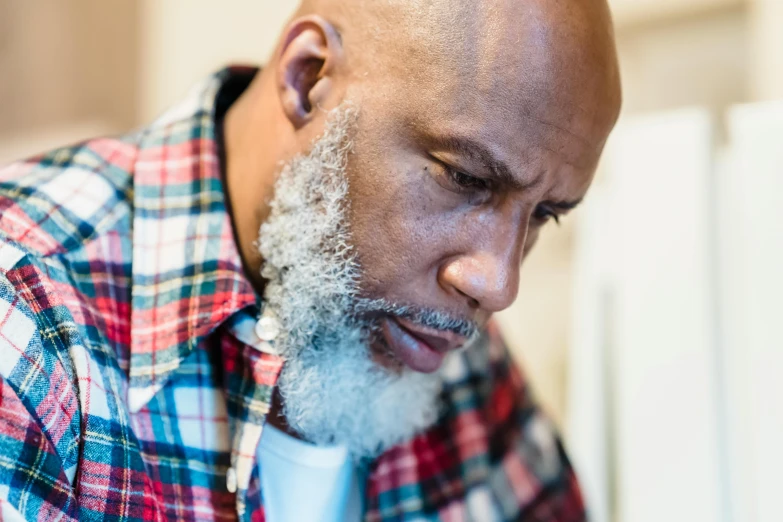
{"x": 301, "y": 482}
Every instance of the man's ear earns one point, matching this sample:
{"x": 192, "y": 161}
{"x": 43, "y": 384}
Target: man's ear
{"x": 311, "y": 52}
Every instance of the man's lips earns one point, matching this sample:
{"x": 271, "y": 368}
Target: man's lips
{"x": 439, "y": 340}
{"x": 420, "y": 348}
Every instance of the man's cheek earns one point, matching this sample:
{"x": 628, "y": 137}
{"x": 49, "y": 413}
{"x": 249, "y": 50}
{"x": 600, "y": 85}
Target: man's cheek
{"x": 530, "y": 242}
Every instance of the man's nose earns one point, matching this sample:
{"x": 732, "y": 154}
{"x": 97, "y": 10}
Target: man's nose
{"x": 487, "y": 281}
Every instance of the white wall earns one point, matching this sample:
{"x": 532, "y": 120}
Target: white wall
{"x": 677, "y": 354}
{"x": 751, "y": 199}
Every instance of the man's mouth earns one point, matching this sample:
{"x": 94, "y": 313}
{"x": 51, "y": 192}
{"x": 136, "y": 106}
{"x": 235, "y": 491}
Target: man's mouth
{"x": 420, "y": 348}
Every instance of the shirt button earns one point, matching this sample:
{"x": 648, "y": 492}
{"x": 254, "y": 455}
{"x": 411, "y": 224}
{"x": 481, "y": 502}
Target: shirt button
{"x": 267, "y": 328}
{"x": 231, "y": 480}
{"x": 266, "y": 347}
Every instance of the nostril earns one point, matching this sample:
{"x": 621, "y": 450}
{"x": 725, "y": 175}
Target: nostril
{"x": 472, "y": 301}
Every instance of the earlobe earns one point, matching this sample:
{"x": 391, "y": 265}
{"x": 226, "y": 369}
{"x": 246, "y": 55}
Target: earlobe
{"x": 307, "y": 61}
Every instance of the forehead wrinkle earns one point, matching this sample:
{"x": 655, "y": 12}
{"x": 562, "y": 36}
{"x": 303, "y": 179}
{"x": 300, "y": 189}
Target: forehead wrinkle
{"x": 570, "y": 147}
{"x": 561, "y": 128}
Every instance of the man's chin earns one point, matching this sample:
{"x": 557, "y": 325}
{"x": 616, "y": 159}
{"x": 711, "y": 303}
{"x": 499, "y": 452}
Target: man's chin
{"x": 367, "y": 404}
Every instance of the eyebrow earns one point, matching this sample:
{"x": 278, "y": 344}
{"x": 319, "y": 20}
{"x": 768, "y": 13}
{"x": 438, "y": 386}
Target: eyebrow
{"x": 500, "y": 170}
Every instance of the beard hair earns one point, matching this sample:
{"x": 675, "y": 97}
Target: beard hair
{"x": 332, "y": 391}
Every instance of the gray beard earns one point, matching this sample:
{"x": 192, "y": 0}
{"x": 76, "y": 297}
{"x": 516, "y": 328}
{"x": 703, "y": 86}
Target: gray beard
{"x": 332, "y": 391}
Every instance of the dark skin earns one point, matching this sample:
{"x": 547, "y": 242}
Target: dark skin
{"x": 480, "y": 121}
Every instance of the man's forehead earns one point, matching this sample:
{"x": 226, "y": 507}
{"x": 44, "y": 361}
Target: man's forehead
{"x": 542, "y": 69}
{"x": 495, "y": 131}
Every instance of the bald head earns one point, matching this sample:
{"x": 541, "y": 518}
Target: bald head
{"x": 551, "y": 51}
{"x": 479, "y": 122}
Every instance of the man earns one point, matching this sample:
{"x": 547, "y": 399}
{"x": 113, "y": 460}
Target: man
{"x": 273, "y": 303}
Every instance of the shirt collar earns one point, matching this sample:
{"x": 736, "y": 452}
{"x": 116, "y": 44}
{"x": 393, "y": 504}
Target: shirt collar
{"x": 187, "y": 271}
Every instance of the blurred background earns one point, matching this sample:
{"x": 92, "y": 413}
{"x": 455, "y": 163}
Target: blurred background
{"x": 648, "y": 324}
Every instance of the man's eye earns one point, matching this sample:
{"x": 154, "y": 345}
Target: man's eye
{"x": 467, "y": 182}
{"x": 543, "y": 214}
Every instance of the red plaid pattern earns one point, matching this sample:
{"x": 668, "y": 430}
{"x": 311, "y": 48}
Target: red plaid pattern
{"x": 128, "y": 390}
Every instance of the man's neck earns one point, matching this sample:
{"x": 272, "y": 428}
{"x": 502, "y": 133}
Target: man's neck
{"x": 249, "y": 173}
{"x": 250, "y": 163}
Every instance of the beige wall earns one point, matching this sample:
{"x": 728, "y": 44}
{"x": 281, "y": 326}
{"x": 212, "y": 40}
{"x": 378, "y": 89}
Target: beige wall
{"x": 67, "y": 61}
{"x": 765, "y": 38}
{"x": 184, "y": 40}
{"x": 694, "y": 60}
{"x": 629, "y": 13}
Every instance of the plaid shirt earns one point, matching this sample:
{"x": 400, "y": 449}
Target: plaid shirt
{"x": 131, "y": 385}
